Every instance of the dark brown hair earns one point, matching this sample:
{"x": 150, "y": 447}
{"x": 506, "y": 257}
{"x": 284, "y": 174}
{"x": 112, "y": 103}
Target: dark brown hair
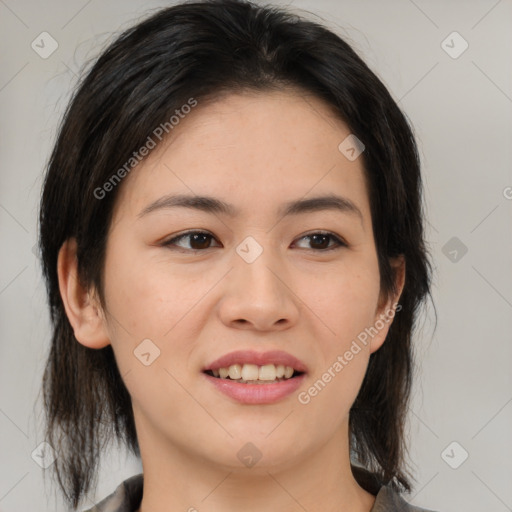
{"x": 202, "y": 50}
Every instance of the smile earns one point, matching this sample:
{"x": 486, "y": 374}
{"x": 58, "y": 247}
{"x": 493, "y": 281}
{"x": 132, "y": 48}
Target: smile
{"x": 250, "y": 377}
{"x": 254, "y": 374}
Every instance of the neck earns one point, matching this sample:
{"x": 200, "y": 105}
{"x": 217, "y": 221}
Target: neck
{"x": 175, "y": 479}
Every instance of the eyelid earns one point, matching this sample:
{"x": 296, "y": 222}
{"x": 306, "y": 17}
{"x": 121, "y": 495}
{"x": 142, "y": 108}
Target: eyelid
{"x": 175, "y": 238}
{"x": 339, "y": 242}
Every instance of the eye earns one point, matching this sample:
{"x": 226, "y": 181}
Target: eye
{"x": 320, "y": 241}
{"x": 199, "y": 240}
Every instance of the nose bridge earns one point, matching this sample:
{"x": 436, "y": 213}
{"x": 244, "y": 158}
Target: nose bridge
{"x": 257, "y": 293}
{"x": 253, "y": 264}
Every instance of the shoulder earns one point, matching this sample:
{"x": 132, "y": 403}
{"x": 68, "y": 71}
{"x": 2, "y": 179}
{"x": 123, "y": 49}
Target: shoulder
{"x": 388, "y": 500}
{"x": 126, "y": 498}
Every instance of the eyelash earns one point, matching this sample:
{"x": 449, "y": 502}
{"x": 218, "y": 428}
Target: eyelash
{"x": 169, "y": 243}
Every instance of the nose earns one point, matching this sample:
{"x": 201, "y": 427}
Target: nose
{"x": 259, "y": 295}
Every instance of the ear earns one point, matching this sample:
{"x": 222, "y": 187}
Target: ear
{"x": 388, "y": 305}
{"x": 84, "y": 312}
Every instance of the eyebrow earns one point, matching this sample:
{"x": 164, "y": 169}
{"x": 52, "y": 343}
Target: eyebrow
{"x": 216, "y": 206}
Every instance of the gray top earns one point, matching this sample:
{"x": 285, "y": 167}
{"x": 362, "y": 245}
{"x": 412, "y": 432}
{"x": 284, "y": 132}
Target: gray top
{"x": 128, "y": 495}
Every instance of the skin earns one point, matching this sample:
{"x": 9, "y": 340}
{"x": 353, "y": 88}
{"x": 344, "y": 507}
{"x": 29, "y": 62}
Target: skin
{"x": 255, "y": 151}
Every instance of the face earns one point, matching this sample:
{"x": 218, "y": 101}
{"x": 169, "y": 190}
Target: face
{"x": 263, "y": 268}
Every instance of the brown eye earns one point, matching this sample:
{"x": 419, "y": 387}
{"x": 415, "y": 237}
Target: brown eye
{"x": 201, "y": 240}
{"x": 198, "y": 240}
{"x": 321, "y": 241}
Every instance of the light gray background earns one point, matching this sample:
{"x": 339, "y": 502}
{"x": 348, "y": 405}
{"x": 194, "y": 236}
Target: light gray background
{"x": 461, "y": 110}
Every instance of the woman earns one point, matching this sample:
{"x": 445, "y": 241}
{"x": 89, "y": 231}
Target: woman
{"x": 232, "y": 240}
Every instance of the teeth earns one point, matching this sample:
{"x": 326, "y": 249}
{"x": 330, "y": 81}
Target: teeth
{"x": 235, "y": 371}
{"x": 268, "y": 372}
{"x": 254, "y": 373}
{"x": 249, "y": 372}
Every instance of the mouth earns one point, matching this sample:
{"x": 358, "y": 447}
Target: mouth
{"x": 251, "y": 377}
{"x": 255, "y": 374}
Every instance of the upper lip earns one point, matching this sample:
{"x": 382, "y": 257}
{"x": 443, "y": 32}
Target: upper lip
{"x": 259, "y": 358}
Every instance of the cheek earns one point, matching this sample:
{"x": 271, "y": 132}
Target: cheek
{"x": 345, "y": 302}
{"x": 326, "y": 403}
{"x": 147, "y": 311}
{"x": 344, "y": 299}
{"x": 149, "y": 300}
{"x": 147, "y": 297}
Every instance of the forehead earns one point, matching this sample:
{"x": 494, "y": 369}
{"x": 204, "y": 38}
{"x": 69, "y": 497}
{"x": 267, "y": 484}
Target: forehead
{"x": 252, "y": 150}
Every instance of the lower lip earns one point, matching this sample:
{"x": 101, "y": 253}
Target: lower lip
{"x": 256, "y": 393}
